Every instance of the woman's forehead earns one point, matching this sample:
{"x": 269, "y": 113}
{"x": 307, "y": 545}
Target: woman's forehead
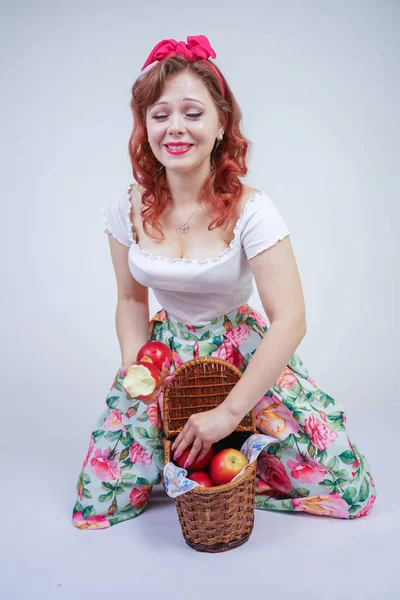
{"x": 184, "y": 86}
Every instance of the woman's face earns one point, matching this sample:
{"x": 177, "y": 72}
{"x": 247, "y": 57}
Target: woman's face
{"x": 186, "y": 114}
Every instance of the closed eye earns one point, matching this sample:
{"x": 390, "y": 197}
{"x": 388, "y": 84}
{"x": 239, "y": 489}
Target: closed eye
{"x": 191, "y": 115}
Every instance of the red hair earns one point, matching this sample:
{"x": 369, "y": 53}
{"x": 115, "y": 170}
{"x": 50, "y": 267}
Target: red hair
{"x": 222, "y": 190}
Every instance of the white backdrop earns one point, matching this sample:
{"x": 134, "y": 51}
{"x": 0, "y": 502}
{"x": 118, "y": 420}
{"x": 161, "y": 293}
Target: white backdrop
{"x": 319, "y": 90}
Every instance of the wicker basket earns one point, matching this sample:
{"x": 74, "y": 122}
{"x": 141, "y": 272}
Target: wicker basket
{"x": 219, "y": 518}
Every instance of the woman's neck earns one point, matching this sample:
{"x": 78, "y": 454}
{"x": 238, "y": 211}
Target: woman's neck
{"x": 185, "y": 188}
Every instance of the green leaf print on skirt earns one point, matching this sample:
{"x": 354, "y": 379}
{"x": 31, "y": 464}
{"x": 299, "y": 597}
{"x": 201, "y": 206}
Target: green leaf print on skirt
{"x": 125, "y": 459}
{"x": 315, "y": 463}
{"x": 312, "y": 467}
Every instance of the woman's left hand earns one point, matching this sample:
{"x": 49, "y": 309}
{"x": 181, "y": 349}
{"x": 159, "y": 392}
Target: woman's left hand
{"x": 203, "y": 430}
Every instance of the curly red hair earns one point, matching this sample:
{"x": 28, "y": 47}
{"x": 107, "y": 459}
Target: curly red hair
{"x": 222, "y": 190}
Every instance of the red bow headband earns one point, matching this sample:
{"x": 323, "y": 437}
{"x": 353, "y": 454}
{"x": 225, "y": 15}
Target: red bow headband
{"x": 197, "y": 48}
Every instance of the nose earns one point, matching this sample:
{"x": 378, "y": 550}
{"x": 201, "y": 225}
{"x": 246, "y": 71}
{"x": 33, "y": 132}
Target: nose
{"x": 176, "y": 125}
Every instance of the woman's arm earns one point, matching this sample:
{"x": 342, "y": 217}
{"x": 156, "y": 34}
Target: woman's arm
{"x": 279, "y": 286}
{"x": 132, "y": 313}
{"x": 132, "y": 325}
{"x": 265, "y": 367}
{"x": 278, "y": 283}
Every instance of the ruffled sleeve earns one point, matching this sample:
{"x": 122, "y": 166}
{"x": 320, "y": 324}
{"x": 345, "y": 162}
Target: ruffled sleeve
{"x": 262, "y": 226}
{"x": 116, "y": 215}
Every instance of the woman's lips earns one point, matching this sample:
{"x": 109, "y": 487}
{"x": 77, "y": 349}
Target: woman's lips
{"x": 178, "y": 150}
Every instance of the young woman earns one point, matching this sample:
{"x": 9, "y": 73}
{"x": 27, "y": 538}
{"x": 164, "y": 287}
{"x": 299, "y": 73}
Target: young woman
{"x": 191, "y": 231}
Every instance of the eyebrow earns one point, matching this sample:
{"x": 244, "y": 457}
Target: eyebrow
{"x": 186, "y": 98}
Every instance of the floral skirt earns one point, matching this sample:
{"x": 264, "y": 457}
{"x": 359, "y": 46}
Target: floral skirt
{"x": 312, "y": 467}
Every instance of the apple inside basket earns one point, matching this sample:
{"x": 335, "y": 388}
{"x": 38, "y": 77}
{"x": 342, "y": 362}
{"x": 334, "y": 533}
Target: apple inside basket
{"x": 223, "y": 462}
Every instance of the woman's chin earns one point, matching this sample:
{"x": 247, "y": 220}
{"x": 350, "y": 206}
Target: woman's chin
{"x": 182, "y": 168}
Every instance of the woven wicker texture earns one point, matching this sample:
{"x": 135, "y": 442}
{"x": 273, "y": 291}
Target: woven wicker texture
{"x": 198, "y": 385}
{"x": 219, "y": 518}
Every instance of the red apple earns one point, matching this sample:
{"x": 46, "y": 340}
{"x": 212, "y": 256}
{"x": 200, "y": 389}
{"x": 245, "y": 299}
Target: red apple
{"x": 141, "y": 380}
{"x": 205, "y": 461}
{"x": 226, "y": 464}
{"x": 156, "y": 353}
{"x": 202, "y": 478}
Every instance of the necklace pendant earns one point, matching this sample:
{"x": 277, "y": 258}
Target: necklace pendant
{"x": 183, "y": 227}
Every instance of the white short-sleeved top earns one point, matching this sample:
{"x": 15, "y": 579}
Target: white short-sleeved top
{"x": 196, "y": 291}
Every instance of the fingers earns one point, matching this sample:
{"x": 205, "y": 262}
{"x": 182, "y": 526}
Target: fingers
{"x": 188, "y": 438}
{"x": 125, "y": 366}
{"x": 180, "y": 437}
{"x": 180, "y": 444}
{"x": 176, "y": 442}
{"x": 166, "y": 380}
{"x": 196, "y": 448}
{"x": 205, "y": 449}
{"x": 123, "y": 370}
{"x": 165, "y": 373}
{"x": 154, "y": 398}
{"x": 166, "y": 367}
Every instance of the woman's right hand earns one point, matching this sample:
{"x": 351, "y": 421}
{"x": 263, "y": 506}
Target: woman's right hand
{"x": 165, "y": 379}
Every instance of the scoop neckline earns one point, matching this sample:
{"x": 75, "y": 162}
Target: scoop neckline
{"x": 184, "y": 259}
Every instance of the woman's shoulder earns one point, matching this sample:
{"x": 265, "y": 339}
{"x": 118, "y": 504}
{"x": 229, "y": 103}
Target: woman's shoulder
{"x": 249, "y": 194}
{"x": 261, "y": 223}
{"x": 135, "y": 192}
{"x": 247, "y": 203}
{"x": 251, "y": 190}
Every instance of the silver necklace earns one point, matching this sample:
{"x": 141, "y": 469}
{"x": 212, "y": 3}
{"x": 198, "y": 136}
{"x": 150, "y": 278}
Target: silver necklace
{"x": 183, "y": 226}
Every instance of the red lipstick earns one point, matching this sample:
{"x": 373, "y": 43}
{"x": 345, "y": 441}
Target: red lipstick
{"x": 177, "y": 148}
